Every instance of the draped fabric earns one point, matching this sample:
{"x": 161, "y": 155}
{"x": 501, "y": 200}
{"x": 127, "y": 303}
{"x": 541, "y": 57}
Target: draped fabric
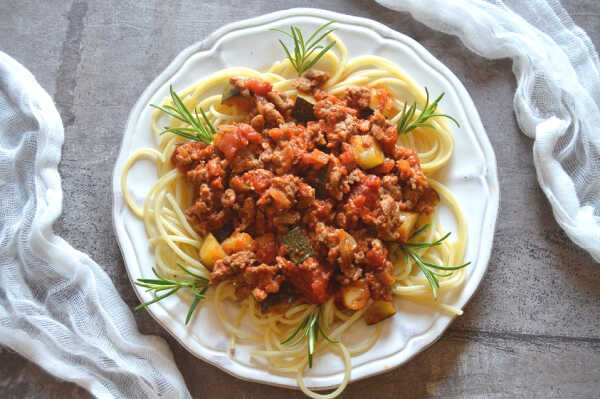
{"x": 557, "y": 98}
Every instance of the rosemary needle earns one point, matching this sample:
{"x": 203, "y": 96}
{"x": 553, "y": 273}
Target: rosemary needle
{"x": 199, "y": 129}
{"x": 300, "y": 56}
{"x": 426, "y": 267}
{"x": 309, "y": 328}
{"x": 197, "y": 284}
{"x": 407, "y": 123}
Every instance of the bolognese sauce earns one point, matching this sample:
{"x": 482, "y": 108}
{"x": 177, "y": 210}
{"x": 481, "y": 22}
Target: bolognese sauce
{"x": 308, "y": 203}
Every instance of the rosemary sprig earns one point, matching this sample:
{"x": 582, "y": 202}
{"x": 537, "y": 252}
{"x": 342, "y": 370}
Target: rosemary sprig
{"x": 406, "y": 123}
{"x": 303, "y": 50}
{"x": 409, "y": 251}
{"x": 200, "y": 129}
{"x": 197, "y": 284}
{"x": 309, "y": 328}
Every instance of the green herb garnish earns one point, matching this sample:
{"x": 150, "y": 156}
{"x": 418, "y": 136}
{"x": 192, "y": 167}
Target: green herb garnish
{"x": 309, "y": 328}
{"x": 200, "y": 129}
{"x": 301, "y": 58}
{"x": 298, "y": 244}
{"x": 426, "y": 267}
{"x": 197, "y": 284}
{"x": 406, "y": 123}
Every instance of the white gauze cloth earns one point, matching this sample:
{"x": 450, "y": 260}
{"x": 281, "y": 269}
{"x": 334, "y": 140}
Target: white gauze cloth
{"x": 57, "y": 306}
{"x": 557, "y": 98}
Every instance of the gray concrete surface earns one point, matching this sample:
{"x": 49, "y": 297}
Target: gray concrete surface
{"x": 532, "y": 329}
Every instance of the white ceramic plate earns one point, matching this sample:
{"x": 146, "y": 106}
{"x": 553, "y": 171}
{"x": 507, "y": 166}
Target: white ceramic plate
{"x": 471, "y": 176}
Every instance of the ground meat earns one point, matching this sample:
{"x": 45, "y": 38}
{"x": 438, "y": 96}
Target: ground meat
{"x": 387, "y": 218}
{"x": 207, "y": 214}
{"x": 247, "y": 159}
{"x": 264, "y": 279}
{"x": 240, "y": 84}
{"x": 337, "y": 246}
{"x": 185, "y": 155}
{"x": 358, "y": 97}
{"x": 273, "y": 173}
{"x": 320, "y": 211}
{"x": 332, "y": 110}
{"x": 281, "y": 101}
{"x": 278, "y": 202}
{"x": 270, "y": 113}
{"x": 258, "y": 122}
{"x": 231, "y": 265}
{"x": 286, "y": 155}
{"x": 247, "y": 275}
{"x": 384, "y": 132}
{"x": 316, "y": 133}
{"x": 336, "y": 174}
{"x": 228, "y": 198}
{"x": 311, "y": 80}
{"x": 378, "y": 269}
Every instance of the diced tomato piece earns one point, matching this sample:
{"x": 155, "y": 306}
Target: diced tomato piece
{"x": 249, "y": 133}
{"x": 372, "y": 181}
{"x": 404, "y": 167}
{"x": 235, "y": 137}
{"x": 385, "y": 168}
{"x": 365, "y": 194}
{"x": 389, "y": 139}
{"x": 217, "y": 183}
{"x": 266, "y": 248}
{"x": 310, "y": 278}
{"x": 316, "y": 157}
{"x": 384, "y": 99}
{"x": 376, "y": 259}
{"x": 275, "y": 133}
{"x": 347, "y": 157}
{"x": 258, "y": 87}
{"x": 214, "y": 168}
{"x": 359, "y": 200}
{"x": 229, "y": 144}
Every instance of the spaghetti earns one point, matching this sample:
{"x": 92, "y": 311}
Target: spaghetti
{"x": 174, "y": 239}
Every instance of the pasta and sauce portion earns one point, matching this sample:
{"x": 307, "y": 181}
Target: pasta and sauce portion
{"x": 302, "y": 193}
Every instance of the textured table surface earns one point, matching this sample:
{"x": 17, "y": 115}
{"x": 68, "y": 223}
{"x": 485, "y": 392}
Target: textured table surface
{"x": 532, "y": 329}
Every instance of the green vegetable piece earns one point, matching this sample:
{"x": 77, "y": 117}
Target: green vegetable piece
{"x": 298, "y": 244}
{"x": 230, "y": 92}
{"x": 303, "y": 110}
{"x": 286, "y": 295}
{"x": 366, "y": 112}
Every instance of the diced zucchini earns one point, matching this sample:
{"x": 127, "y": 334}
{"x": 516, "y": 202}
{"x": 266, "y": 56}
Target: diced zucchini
{"x": 365, "y": 113}
{"x": 379, "y": 310}
{"x": 237, "y": 242}
{"x": 279, "y": 302}
{"x": 303, "y": 110}
{"x": 408, "y": 225}
{"x": 355, "y": 296}
{"x": 367, "y": 152}
{"x": 224, "y": 232}
{"x": 230, "y": 92}
{"x": 211, "y": 251}
{"x": 232, "y": 97}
